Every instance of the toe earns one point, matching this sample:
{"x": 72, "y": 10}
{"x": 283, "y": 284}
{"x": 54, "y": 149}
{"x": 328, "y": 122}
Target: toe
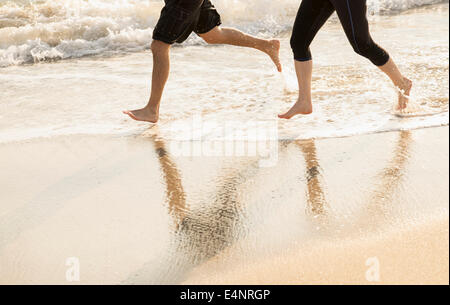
{"x": 131, "y": 115}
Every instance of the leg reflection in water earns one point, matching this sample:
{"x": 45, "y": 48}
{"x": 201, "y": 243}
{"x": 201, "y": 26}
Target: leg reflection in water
{"x": 387, "y": 181}
{"x": 214, "y": 222}
{"x": 390, "y": 178}
{"x": 175, "y": 195}
{"x": 316, "y": 202}
{"x": 200, "y": 233}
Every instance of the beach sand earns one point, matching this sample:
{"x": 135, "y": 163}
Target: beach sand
{"x": 349, "y": 194}
{"x": 130, "y": 211}
{"x": 417, "y": 255}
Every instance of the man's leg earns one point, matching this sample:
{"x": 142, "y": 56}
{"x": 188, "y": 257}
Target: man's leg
{"x": 234, "y": 37}
{"x": 161, "y": 68}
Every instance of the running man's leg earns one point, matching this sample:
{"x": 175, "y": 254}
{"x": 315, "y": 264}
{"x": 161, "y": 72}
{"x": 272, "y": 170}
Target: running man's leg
{"x": 161, "y": 68}
{"x": 176, "y": 23}
{"x": 219, "y": 35}
{"x": 353, "y": 16}
{"x": 311, "y": 16}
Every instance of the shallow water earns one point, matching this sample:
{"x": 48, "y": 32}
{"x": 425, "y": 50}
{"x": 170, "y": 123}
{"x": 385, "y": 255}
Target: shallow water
{"x": 236, "y": 86}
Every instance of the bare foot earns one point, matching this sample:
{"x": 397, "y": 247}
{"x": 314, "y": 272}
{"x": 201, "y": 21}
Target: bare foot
{"x": 300, "y": 107}
{"x": 403, "y": 95}
{"x": 273, "y": 50}
{"x": 144, "y": 115}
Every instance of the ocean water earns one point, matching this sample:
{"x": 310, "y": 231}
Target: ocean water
{"x": 70, "y": 67}
{"x": 39, "y": 30}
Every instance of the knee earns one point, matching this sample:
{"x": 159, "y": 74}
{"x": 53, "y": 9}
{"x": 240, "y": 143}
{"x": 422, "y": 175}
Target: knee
{"x": 158, "y": 47}
{"x": 300, "y": 50}
{"x": 371, "y": 51}
{"x": 363, "y": 46}
{"x": 214, "y": 36}
{"x": 293, "y": 43}
{"x": 211, "y": 40}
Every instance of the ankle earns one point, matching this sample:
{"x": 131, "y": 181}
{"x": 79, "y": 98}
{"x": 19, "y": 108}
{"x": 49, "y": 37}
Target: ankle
{"x": 403, "y": 84}
{"x": 307, "y": 100}
{"x": 151, "y": 108}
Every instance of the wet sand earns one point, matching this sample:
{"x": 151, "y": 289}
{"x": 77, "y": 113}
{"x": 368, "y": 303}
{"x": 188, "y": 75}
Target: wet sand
{"x": 132, "y": 212}
{"x": 417, "y": 255}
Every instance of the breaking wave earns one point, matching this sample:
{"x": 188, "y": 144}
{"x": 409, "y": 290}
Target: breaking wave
{"x": 44, "y": 30}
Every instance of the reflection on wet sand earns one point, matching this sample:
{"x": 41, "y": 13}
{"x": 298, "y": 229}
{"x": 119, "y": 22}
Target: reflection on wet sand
{"x": 176, "y": 197}
{"x": 390, "y": 178}
{"x": 392, "y": 174}
{"x": 202, "y": 233}
{"x": 387, "y": 181}
{"x": 316, "y": 202}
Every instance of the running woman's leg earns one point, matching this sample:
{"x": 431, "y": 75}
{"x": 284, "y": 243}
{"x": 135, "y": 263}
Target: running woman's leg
{"x": 403, "y": 84}
{"x": 311, "y": 16}
{"x": 303, "y": 105}
{"x": 353, "y": 17}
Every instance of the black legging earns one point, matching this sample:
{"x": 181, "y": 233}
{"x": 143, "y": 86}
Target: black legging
{"x": 313, "y": 14}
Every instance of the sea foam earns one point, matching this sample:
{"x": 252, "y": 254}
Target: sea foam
{"x": 44, "y": 30}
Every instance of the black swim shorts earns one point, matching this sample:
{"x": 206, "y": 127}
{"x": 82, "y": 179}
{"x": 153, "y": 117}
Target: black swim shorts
{"x": 179, "y": 18}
